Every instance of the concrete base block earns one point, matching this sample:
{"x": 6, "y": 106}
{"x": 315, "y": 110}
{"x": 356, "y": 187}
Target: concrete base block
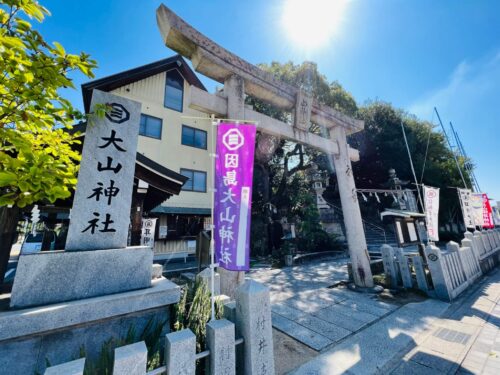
{"x": 55, "y": 334}
{"x": 27, "y": 322}
{"x": 157, "y": 271}
{"x": 58, "y": 276}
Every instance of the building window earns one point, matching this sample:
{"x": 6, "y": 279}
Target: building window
{"x": 150, "y": 126}
{"x": 194, "y": 137}
{"x": 197, "y": 180}
{"x": 174, "y": 90}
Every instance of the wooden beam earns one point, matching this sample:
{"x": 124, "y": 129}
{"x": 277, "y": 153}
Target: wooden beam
{"x": 216, "y": 62}
{"x": 217, "y": 104}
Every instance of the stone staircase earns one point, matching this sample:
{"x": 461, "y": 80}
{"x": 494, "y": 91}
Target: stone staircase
{"x": 376, "y": 234}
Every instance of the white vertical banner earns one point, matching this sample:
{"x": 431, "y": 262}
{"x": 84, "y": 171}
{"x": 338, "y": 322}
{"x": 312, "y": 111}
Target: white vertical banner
{"x": 431, "y": 201}
{"x": 466, "y": 204}
{"x": 477, "y": 208}
{"x": 148, "y": 232}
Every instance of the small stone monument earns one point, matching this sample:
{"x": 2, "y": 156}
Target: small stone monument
{"x": 99, "y": 220}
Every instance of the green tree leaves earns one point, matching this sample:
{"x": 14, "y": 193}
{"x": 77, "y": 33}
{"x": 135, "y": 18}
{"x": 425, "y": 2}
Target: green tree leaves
{"x": 37, "y": 159}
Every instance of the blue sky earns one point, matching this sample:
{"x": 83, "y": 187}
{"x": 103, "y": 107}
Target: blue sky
{"x": 416, "y": 54}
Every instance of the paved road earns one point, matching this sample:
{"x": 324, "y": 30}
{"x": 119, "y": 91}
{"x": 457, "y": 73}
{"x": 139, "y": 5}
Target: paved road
{"x": 430, "y": 337}
{"x": 466, "y": 340}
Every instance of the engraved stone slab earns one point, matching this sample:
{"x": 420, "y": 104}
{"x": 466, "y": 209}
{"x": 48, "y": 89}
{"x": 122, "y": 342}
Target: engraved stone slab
{"x": 253, "y": 319}
{"x": 100, "y": 215}
{"x": 220, "y": 342}
{"x": 303, "y": 108}
{"x": 131, "y": 359}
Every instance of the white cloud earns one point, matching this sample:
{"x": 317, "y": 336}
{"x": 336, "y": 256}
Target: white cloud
{"x": 470, "y": 98}
{"x": 468, "y": 85}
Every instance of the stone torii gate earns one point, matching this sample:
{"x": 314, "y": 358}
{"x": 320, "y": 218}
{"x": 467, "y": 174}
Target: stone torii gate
{"x": 239, "y": 78}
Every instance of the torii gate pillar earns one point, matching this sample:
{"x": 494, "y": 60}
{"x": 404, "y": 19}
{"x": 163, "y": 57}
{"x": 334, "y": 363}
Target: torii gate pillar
{"x": 355, "y": 233}
{"x": 234, "y": 90}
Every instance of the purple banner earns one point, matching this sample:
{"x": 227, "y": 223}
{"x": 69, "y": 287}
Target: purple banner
{"x": 233, "y": 195}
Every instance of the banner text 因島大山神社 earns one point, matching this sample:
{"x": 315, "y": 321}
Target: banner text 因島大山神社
{"x": 233, "y": 195}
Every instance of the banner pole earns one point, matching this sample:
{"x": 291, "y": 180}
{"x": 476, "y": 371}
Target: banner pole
{"x": 212, "y": 226}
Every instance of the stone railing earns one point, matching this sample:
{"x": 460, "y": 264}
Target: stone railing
{"x": 444, "y": 274}
{"x": 246, "y": 330}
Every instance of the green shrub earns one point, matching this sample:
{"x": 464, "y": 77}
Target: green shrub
{"x": 193, "y": 311}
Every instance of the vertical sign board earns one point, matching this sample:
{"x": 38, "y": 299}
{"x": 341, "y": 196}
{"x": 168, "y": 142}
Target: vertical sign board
{"x": 467, "y": 211}
{"x": 477, "y": 208}
{"x": 431, "y": 196}
{"x": 482, "y": 210}
{"x": 233, "y": 195}
{"x": 487, "y": 213}
{"x": 148, "y": 232}
{"x": 100, "y": 215}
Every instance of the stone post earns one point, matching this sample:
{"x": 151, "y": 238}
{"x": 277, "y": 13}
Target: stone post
{"x": 478, "y": 244}
{"x": 486, "y": 243}
{"x": 131, "y": 359}
{"x": 180, "y": 352}
{"x": 418, "y": 264}
{"x": 220, "y": 342}
{"x": 355, "y": 233}
{"x": 404, "y": 268}
{"x": 205, "y": 276}
{"x": 253, "y": 321}
{"x": 452, "y": 246}
{"x": 494, "y": 238}
{"x": 234, "y": 89}
{"x": 389, "y": 265}
{"x": 68, "y": 368}
{"x": 439, "y": 278}
{"x": 468, "y": 241}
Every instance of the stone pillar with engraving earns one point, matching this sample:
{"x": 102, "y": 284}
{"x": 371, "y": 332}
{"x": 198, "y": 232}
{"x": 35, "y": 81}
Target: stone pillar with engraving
{"x": 98, "y": 288}
{"x": 356, "y": 240}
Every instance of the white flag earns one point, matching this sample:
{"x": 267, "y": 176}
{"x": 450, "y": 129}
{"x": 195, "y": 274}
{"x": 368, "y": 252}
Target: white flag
{"x": 466, "y": 203}
{"x": 477, "y": 208}
{"x": 431, "y": 197}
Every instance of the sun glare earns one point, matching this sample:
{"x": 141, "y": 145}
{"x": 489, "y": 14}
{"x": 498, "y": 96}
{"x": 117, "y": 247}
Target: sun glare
{"x": 312, "y": 23}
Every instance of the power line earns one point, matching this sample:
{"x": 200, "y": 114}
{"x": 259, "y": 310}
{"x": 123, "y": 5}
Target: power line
{"x": 451, "y": 148}
{"x": 467, "y": 165}
{"x": 412, "y": 168}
